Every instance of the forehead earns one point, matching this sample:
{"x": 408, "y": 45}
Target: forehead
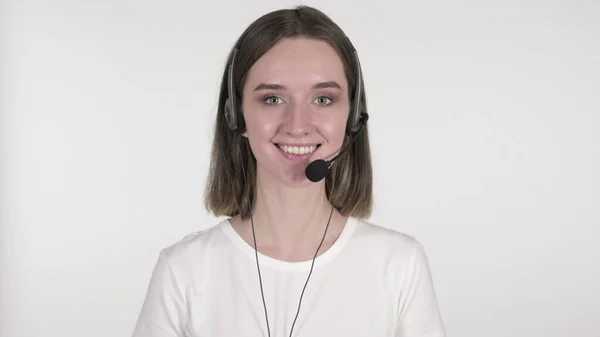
{"x": 298, "y": 63}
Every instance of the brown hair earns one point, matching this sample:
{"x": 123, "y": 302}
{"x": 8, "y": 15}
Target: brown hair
{"x": 231, "y": 184}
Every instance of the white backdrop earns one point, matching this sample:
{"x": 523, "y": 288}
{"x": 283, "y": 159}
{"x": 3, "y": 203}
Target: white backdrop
{"x": 485, "y": 133}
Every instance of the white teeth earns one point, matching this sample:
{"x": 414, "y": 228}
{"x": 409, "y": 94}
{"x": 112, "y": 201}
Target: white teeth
{"x": 297, "y": 149}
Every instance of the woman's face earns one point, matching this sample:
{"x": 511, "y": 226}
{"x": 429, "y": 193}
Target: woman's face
{"x": 295, "y": 104}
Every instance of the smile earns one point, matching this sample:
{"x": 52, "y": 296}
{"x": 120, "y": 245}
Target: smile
{"x": 297, "y": 151}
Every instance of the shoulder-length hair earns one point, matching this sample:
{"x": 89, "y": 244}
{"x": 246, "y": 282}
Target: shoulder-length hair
{"x": 231, "y": 185}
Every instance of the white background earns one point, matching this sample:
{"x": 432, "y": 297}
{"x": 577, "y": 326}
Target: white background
{"x": 484, "y": 126}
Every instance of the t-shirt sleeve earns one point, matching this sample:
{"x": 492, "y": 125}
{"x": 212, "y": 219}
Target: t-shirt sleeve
{"x": 163, "y": 310}
{"x": 419, "y": 313}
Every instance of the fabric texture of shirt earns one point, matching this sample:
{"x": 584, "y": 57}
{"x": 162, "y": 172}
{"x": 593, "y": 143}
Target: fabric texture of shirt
{"x": 372, "y": 281}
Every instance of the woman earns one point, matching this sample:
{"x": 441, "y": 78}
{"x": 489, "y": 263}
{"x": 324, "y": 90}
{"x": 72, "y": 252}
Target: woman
{"x": 295, "y": 256}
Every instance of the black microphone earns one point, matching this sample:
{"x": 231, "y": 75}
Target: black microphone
{"x": 318, "y": 169}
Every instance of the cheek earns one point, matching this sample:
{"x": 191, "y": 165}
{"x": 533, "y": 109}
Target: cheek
{"x": 259, "y": 126}
{"x": 333, "y": 127}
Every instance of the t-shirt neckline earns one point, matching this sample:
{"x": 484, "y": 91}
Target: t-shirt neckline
{"x": 300, "y": 266}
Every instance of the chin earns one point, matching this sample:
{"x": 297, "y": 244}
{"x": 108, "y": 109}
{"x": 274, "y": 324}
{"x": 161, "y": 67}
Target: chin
{"x": 294, "y": 178}
{"x": 291, "y": 177}
{"x": 298, "y": 182}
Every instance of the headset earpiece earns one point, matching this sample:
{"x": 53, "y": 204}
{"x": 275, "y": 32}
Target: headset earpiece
{"x": 230, "y": 115}
{"x": 230, "y": 108}
{"x": 356, "y": 117}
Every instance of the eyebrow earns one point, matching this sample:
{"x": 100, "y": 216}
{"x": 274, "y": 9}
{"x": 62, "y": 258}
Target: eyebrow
{"x": 320, "y": 85}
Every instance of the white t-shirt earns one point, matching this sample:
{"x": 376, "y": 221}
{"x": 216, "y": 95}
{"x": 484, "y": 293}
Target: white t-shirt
{"x": 371, "y": 282}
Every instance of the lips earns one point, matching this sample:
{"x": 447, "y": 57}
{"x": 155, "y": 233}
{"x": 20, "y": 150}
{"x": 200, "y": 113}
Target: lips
{"x": 297, "y": 151}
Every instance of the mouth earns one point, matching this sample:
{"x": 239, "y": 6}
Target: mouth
{"x": 297, "y": 152}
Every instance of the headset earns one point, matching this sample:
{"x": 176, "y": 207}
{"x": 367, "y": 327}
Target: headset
{"x": 356, "y": 118}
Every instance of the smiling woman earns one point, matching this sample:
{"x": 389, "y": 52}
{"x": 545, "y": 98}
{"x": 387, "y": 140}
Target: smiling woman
{"x": 297, "y": 99}
{"x": 291, "y": 95}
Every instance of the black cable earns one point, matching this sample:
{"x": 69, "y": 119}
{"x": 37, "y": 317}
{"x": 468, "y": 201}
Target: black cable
{"x": 259, "y": 276}
{"x": 307, "y": 279}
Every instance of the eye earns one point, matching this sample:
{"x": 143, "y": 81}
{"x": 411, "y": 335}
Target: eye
{"x": 324, "y": 100}
{"x": 272, "y": 100}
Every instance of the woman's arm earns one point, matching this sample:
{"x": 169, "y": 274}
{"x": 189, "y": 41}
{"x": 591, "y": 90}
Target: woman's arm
{"x": 419, "y": 312}
{"x": 163, "y": 312}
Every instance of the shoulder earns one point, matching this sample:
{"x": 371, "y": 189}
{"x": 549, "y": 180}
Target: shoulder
{"x": 193, "y": 248}
{"x": 390, "y": 246}
{"x": 385, "y": 237}
{"x": 402, "y": 255}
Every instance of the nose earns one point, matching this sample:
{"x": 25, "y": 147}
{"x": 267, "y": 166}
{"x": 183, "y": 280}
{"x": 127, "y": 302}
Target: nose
{"x": 298, "y": 120}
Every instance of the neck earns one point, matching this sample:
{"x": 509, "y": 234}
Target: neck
{"x": 288, "y": 219}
